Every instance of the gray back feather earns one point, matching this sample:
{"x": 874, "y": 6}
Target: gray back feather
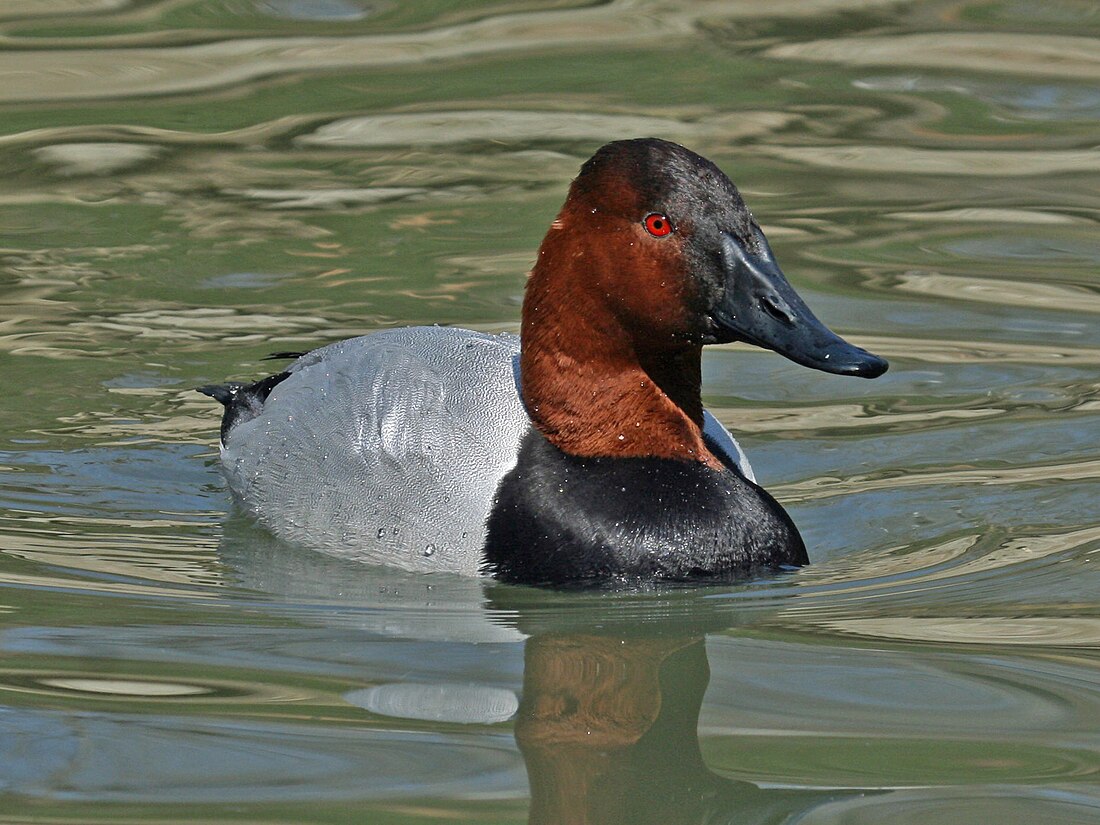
{"x": 385, "y": 448}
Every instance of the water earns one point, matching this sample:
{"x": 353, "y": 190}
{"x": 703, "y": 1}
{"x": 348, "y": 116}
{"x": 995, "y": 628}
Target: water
{"x": 188, "y": 186}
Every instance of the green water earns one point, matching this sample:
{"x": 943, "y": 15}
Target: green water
{"x": 186, "y": 186}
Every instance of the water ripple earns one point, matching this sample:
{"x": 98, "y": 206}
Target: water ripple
{"x": 1041, "y": 55}
{"x": 430, "y": 128}
{"x": 81, "y": 74}
{"x": 949, "y": 806}
{"x": 188, "y": 760}
{"x": 1002, "y": 292}
{"x": 908, "y": 160}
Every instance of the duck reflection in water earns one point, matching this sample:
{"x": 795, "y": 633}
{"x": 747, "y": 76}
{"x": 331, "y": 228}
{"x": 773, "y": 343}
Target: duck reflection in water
{"x": 613, "y": 684}
{"x": 608, "y": 728}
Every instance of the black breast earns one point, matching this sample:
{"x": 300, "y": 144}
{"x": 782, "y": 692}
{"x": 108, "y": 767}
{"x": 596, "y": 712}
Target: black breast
{"x": 559, "y": 519}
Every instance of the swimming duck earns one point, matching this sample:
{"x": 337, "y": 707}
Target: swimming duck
{"x": 578, "y": 453}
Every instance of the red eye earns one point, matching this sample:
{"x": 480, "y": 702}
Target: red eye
{"x": 657, "y": 225}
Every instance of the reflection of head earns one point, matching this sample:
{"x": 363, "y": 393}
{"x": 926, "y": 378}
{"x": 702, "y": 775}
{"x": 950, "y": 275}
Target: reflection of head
{"x": 608, "y": 727}
{"x": 587, "y": 726}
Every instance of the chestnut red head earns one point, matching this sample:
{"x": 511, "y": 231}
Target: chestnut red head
{"x": 679, "y": 254}
{"x": 653, "y": 255}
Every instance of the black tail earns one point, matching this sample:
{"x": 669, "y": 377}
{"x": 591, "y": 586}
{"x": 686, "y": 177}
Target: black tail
{"x": 242, "y": 402}
{"x": 223, "y": 393}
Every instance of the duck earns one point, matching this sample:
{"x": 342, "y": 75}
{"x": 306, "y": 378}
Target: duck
{"x": 576, "y": 454}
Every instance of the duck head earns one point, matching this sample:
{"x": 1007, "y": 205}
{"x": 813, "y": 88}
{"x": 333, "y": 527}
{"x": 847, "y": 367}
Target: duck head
{"x": 654, "y": 255}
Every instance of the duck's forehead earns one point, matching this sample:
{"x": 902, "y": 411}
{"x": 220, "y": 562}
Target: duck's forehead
{"x": 652, "y": 175}
{"x": 695, "y": 189}
{"x": 699, "y": 197}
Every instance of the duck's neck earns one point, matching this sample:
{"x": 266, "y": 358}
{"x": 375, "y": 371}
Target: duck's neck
{"x": 596, "y": 388}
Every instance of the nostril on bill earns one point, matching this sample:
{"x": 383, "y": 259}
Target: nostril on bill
{"x": 776, "y": 310}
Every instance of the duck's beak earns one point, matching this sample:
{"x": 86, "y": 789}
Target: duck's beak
{"x": 760, "y": 307}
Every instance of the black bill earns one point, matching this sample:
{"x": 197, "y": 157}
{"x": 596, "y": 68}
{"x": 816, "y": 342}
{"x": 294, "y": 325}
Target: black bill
{"x": 760, "y": 307}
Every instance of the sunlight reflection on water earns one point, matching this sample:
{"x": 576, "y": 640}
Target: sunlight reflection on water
{"x": 190, "y": 187}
